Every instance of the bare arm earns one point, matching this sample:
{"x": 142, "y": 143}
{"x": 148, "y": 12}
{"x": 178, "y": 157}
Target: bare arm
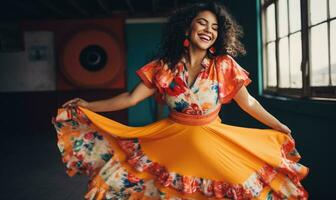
{"x": 119, "y": 102}
{"x": 250, "y": 105}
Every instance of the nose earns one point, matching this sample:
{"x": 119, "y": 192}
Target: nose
{"x": 208, "y": 28}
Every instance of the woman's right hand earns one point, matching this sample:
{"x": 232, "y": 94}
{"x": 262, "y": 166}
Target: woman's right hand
{"x": 76, "y": 102}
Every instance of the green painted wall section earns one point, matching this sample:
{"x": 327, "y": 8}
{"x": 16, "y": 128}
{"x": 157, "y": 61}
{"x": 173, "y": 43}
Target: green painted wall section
{"x": 142, "y": 41}
{"x": 259, "y": 46}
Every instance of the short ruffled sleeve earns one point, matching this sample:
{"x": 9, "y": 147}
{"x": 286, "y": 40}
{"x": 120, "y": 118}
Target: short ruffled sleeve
{"x": 156, "y": 75}
{"x": 231, "y": 77}
{"x": 147, "y": 72}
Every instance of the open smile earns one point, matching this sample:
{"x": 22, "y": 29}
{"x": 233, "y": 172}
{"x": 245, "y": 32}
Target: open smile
{"x": 204, "y": 37}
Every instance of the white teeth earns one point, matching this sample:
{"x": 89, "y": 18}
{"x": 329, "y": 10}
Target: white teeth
{"x": 205, "y": 37}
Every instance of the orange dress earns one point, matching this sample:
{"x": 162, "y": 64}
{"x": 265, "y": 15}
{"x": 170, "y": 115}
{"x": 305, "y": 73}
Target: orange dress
{"x": 188, "y": 155}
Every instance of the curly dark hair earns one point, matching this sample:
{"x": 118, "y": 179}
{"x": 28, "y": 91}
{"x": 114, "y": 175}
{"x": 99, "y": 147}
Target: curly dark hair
{"x": 227, "y": 42}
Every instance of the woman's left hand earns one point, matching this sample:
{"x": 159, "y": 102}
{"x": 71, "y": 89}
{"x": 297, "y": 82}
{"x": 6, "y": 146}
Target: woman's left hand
{"x": 283, "y": 128}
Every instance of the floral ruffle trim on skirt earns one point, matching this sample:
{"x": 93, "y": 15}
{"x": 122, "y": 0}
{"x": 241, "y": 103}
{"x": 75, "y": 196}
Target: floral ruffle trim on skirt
{"x": 118, "y": 169}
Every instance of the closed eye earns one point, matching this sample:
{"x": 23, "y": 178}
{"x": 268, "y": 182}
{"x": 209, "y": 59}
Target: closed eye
{"x": 202, "y": 22}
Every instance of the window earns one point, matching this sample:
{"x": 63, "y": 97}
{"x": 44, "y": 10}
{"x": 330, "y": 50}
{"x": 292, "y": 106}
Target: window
{"x": 299, "y": 43}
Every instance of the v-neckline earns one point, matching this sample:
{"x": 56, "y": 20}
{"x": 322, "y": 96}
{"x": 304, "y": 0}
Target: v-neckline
{"x": 204, "y": 65}
{"x": 187, "y": 73}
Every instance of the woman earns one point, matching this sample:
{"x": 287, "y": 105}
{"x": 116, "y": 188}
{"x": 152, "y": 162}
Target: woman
{"x": 190, "y": 154}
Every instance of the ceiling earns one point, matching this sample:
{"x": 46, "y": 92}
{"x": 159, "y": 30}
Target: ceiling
{"x": 81, "y": 9}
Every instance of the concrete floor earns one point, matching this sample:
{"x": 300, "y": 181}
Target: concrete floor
{"x": 32, "y": 169}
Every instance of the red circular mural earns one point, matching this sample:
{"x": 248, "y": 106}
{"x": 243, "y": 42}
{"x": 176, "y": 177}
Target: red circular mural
{"x": 90, "y": 58}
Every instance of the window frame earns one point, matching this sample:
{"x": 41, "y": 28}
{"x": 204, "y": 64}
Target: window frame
{"x": 307, "y": 91}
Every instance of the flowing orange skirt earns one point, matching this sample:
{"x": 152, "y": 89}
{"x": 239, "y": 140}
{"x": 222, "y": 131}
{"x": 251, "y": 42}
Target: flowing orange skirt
{"x": 179, "y": 157}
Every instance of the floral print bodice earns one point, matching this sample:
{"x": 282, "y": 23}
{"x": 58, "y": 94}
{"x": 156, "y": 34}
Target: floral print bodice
{"x": 217, "y": 83}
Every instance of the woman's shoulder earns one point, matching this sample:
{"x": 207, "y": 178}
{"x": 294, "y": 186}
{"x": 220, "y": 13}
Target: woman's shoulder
{"x": 152, "y": 65}
{"x": 225, "y": 61}
{"x": 224, "y": 57}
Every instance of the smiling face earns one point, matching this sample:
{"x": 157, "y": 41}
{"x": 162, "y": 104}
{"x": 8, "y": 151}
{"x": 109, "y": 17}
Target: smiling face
{"x": 203, "y": 30}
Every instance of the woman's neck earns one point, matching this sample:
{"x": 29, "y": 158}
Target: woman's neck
{"x": 195, "y": 56}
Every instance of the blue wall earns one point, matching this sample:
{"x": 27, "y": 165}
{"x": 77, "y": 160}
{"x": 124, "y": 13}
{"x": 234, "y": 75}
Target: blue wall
{"x": 142, "y": 41}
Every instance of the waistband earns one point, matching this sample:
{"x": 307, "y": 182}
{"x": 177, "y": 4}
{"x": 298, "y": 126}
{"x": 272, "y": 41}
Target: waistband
{"x": 194, "y": 120}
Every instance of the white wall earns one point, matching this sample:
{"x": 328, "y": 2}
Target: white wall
{"x": 21, "y": 71}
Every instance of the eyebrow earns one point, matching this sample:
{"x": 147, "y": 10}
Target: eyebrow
{"x": 206, "y": 20}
